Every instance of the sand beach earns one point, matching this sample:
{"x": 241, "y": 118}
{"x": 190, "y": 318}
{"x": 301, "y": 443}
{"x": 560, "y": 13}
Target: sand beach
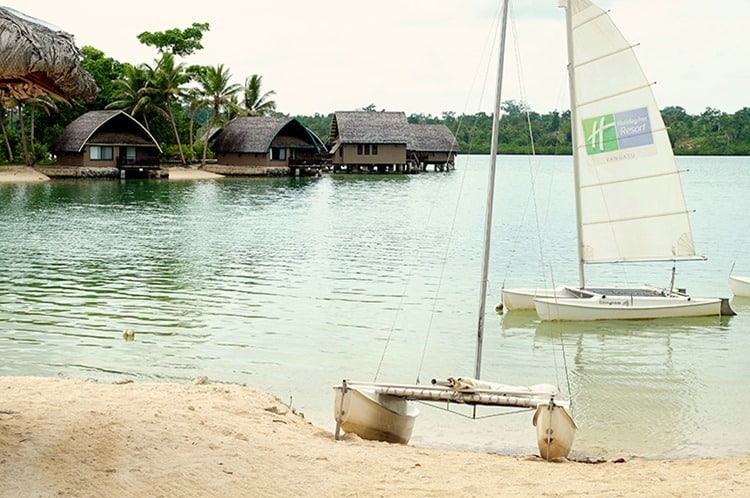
{"x": 63, "y": 437}
{"x": 25, "y": 174}
{"x": 85, "y": 438}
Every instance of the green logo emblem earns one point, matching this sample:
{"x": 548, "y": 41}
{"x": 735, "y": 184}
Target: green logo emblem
{"x": 613, "y": 132}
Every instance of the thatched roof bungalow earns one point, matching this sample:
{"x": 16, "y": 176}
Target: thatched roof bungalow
{"x": 432, "y": 144}
{"x": 38, "y": 59}
{"x": 361, "y": 139}
{"x": 106, "y": 143}
{"x": 264, "y": 145}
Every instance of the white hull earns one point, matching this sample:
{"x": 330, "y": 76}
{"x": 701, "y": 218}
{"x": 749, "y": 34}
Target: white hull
{"x": 740, "y": 285}
{"x": 374, "y": 416}
{"x": 555, "y": 431}
{"x": 523, "y": 298}
{"x": 624, "y": 307}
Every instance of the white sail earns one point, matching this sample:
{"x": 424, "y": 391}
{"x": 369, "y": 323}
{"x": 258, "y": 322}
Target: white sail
{"x": 632, "y": 206}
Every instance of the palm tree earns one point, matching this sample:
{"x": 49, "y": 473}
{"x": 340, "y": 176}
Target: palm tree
{"x": 219, "y": 95}
{"x": 44, "y": 103}
{"x": 5, "y": 131}
{"x": 132, "y": 92}
{"x": 257, "y": 103}
{"x": 168, "y": 80}
{"x": 195, "y": 103}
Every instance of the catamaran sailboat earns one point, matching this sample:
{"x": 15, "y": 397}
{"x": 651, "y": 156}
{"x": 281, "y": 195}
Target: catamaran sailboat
{"x": 740, "y": 285}
{"x": 630, "y": 205}
{"x": 386, "y": 411}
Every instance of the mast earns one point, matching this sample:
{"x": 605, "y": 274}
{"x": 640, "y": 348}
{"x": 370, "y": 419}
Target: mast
{"x": 575, "y": 136}
{"x": 491, "y": 192}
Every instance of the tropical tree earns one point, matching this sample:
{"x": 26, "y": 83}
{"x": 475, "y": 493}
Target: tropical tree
{"x": 258, "y": 103}
{"x": 44, "y": 103}
{"x": 4, "y": 130}
{"x": 131, "y": 92}
{"x": 105, "y": 72}
{"x": 168, "y": 81}
{"x": 176, "y": 41}
{"x": 195, "y": 104}
{"x": 218, "y": 94}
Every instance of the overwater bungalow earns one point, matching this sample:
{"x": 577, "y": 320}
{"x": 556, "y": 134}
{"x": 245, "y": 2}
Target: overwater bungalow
{"x": 362, "y": 141}
{"x": 432, "y": 144}
{"x": 106, "y": 144}
{"x": 267, "y": 146}
{"x": 383, "y": 142}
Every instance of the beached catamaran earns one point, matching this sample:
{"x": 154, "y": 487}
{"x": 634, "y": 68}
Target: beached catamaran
{"x": 387, "y": 412}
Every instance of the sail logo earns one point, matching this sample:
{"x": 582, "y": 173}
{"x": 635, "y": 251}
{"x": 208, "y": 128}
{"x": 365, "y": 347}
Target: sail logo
{"x": 618, "y": 131}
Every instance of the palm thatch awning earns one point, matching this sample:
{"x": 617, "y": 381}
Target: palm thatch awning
{"x": 38, "y": 59}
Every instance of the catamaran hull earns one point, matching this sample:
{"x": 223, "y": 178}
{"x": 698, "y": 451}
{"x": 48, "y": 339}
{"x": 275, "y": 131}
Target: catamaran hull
{"x": 628, "y": 308}
{"x": 740, "y": 285}
{"x": 523, "y": 298}
{"x": 374, "y": 416}
{"x": 555, "y": 431}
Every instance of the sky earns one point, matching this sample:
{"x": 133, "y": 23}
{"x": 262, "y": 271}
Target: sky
{"x": 423, "y": 56}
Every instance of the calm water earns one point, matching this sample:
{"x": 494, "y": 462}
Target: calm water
{"x": 291, "y": 285}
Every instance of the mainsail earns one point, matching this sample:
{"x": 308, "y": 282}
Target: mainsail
{"x": 631, "y": 205}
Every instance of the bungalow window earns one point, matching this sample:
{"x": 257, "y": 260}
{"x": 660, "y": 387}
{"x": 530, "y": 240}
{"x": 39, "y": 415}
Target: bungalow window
{"x": 359, "y": 149}
{"x": 278, "y": 154}
{"x": 374, "y": 149}
{"x": 367, "y": 149}
{"x": 100, "y": 153}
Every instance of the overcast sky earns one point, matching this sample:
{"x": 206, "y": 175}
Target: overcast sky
{"x": 422, "y": 56}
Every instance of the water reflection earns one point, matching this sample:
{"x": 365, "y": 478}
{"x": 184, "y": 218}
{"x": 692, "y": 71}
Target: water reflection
{"x": 292, "y": 284}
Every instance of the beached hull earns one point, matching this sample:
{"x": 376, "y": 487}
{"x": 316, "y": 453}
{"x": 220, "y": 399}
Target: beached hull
{"x": 374, "y": 416}
{"x": 740, "y": 285}
{"x": 523, "y": 298}
{"x": 616, "y": 307}
{"x": 555, "y": 431}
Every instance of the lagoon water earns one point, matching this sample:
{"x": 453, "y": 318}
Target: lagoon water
{"x": 291, "y": 285}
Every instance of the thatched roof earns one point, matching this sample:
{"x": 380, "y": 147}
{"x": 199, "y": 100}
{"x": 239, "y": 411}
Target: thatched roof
{"x": 432, "y": 138}
{"x": 110, "y": 127}
{"x": 256, "y": 135}
{"x": 362, "y": 127}
{"x": 38, "y": 59}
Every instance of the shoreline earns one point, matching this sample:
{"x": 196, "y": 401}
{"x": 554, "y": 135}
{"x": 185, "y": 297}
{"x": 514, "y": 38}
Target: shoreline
{"x": 83, "y": 438}
{"x": 25, "y": 174}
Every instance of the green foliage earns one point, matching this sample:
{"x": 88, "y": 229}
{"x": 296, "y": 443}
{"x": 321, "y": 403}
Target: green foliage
{"x": 258, "y": 103}
{"x": 174, "y": 100}
{"x": 104, "y": 70}
{"x": 178, "y": 42}
{"x": 320, "y": 124}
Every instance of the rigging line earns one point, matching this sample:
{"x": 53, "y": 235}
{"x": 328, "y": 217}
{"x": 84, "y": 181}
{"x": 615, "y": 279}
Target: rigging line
{"x": 495, "y": 33}
{"x": 532, "y": 196}
{"x": 486, "y": 53}
{"x": 532, "y": 173}
{"x": 426, "y": 226}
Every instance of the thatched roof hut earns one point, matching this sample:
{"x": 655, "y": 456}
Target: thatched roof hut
{"x": 360, "y": 127}
{"x": 257, "y": 134}
{"x": 432, "y": 138}
{"x": 38, "y": 59}
{"x": 112, "y": 127}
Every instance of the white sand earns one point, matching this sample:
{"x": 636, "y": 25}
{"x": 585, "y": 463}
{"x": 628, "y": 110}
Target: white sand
{"x": 74, "y": 438}
{"x": 12, "y": 174}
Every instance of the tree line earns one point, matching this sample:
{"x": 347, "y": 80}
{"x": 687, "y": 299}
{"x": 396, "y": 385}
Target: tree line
{"x": 182, "y": 105}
